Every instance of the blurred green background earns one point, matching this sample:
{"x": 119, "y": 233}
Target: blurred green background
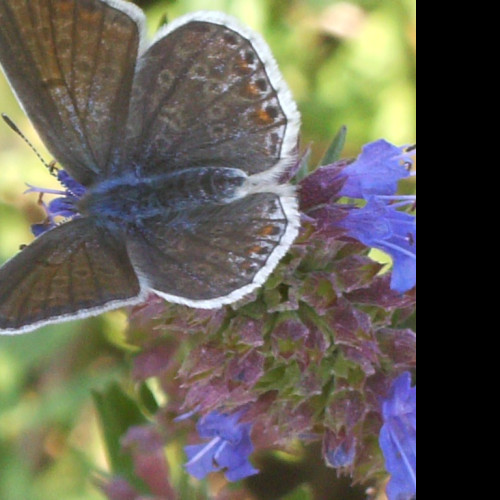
{"x": 347, "y": 62}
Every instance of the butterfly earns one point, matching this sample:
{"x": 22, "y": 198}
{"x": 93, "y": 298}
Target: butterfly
{"x": 178, "y": 146}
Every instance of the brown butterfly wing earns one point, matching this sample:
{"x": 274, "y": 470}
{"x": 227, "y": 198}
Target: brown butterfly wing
{"x": 71, "y": 64}
{"x": 78, "y": 269}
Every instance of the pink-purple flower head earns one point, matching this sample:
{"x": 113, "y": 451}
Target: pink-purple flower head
{"x": 398, "y": 438}
{"x": 228, "y": 449}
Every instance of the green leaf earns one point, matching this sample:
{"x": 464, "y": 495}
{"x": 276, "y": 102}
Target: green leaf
{"x": 334, "y": 152}
{"x": 283, "y": 378}
{"x": 148, "y": 399}
{"x": 303, "y": 170}
{"x": 118, "y": 412}
{"x": 272, "y": 379}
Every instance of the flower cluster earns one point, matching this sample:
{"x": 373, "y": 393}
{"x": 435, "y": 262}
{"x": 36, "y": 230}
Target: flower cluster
{"x": 373, "y": 177}
{"x": 314, "y": 355}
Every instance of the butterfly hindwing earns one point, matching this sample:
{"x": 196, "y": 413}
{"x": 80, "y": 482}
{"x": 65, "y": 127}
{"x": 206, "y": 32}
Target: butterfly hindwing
{"x": 77, "y": 269}
{"x": 214, "y": 255}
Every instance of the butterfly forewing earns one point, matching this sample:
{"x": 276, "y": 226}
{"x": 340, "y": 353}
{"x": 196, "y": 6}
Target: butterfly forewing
{"x": 71, "y": 64}
{"x": 75, "y": 270}
{"x": 204, "y": 95}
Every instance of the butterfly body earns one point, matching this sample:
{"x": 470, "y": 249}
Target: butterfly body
{"x": 175, "y": 146}
{"x": 132, "y": 199}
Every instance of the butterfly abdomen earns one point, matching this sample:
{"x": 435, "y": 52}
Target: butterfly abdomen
{"x": 130, "y": 199}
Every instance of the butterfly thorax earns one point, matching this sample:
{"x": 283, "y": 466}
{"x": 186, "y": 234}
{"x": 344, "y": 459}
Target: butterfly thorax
{"x": 130, "y": 199}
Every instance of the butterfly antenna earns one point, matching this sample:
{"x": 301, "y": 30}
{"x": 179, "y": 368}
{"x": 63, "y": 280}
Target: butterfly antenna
{"x": 50, "y": 166}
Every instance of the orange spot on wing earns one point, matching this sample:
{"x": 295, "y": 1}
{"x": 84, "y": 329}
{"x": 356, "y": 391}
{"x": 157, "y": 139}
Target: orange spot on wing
{"x": 255, "y": 249}
{"x": 242, "y": 66}
{"x": 264, "y": 117}
{"x": 267, "y": 230}
{"x": 252, "y": 90}
{"x": 245, "y": 266}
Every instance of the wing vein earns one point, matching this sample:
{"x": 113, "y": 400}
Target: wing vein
{"x": 74, "y": 37}
{"x": 182, "y": 138}
{"x": 182, "y": 267}
{"x": 95, "y": 279}
{"x": 180, "y": 76}
{"x": 96, "y": 61}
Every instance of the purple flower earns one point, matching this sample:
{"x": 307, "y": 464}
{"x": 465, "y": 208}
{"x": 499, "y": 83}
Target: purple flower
{"x": 377, "y": 171}
{"x": 398, "y": 438}
{"x": 73, "y": 187}
{"x": 342, "y": 456}
{"x": 228, "y": 449}
{"x": 322, "y": 186}
{"x": 63, "y": 206}
{"x": 374, "y": 177}
{"x": 380, "y": 225}
{"x": 339, "y": 449}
